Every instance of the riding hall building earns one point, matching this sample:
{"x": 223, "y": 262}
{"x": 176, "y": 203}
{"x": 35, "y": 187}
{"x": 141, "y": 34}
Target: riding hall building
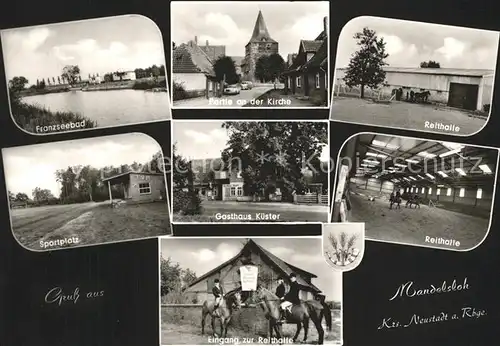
{"x": 270, "y": 267}
{"x": 469, "y": 89}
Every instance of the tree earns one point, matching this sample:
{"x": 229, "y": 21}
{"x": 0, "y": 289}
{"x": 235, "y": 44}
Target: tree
{"x": 173, "y": 45}
{"x": 366, "y": 65}
{"x": 269, "y": 67}
{"x": 430, "y": 64}
{"x": 187, "y": 277}
{"x": 225, "y": 70}
{"x": 71, "y": 73}
{"x": 21, "y": 197}
{"x": 17, "y": 84}
{"x": 170, "y": 273}
{"x": 179, "y": 169}
{"x": 41, "y": 195}
{"x": 274, "y": 155}
{"x": 12, "y": 197}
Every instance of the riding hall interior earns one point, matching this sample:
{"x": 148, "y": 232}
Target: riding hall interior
{"x": 454, "y": 184}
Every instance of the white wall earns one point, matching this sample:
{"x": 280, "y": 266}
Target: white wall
{"x": 191, "y": 81}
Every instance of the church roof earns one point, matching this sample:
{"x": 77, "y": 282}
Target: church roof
{"x": 260, "y": 32}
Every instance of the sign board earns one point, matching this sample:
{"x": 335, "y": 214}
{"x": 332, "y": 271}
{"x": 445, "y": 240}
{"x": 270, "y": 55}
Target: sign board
{"x": 248, "y": 277}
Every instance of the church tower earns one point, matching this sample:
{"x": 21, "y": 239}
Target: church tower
{"x": 260, "y": 44}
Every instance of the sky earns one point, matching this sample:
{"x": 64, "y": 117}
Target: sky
{"x": 96, "y": 46}
{"x": 410, "y": 43}
{"x": 31, "y": 166}
{"x": 231, "y": 24}
{"x": 205, "y": 254}
{"x": 204, "y": 140}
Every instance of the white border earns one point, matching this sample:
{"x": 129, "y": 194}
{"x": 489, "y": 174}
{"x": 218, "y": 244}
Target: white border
{"x": 403, "y": 21}
{"x": 257, "y": 3}
{"x": 428, "y": 140}
{"x": 319, "y": 237}
{"x": 167, "y": 106}
{"x": 249, "y": 222}
{"x": 95, "y": 244}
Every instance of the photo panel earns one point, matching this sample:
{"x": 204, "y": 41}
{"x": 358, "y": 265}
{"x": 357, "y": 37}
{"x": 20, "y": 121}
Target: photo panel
{"x": 250, "y": 171}
{"x": 236, "y": 281}
{"x": 86, "y": 74}
{"x": 268, "y": 54}
{"x": 86, "y": 191}
{"x": 415, "y": 76}
{"x": 415, "y": 191}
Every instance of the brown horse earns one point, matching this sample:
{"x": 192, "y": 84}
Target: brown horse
{"x": 228, "y": 305}
{"x": 300, "y": 315}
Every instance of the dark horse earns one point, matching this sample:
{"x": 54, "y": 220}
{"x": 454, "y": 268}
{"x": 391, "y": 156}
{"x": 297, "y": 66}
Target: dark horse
{"x": 228, "y": 305}
{"x": 300, "y": 315}
{"x": 413, "y": 200}
{"x": 395, "y": 199}
{"x": 422, "y": 96}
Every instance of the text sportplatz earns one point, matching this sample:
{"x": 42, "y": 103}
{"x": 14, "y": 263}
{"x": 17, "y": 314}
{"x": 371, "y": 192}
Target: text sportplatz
{"x": 249, "y": 341}
{"x": 45, "y": 244}
{"x": 417, "y": 319}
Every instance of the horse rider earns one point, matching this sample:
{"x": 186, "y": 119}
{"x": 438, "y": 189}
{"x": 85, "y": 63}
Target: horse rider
{"x": 218, "y": 293}
{"x": 292, "y": 297}
{"x": 280, "y": 291}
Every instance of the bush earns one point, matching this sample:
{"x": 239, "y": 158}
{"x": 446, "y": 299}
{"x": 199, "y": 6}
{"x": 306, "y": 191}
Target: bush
{"x": 486, "y": 108}
{"x": 179, "y": 93}
{"x": 318, "y": 98}
{"x": 188, "y": 203}
{"x": 28, "y": 117}
{"x": 147, "y": 84}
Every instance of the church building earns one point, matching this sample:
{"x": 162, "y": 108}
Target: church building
{"x": 260, "y": 44}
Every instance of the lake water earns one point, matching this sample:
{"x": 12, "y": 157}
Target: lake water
{"x": 110, "y": 107}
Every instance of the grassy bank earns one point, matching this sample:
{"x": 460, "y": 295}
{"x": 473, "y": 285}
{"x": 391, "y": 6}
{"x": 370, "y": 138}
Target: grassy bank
{"x": 29, "y": 117}
{"x": 148, "y": 84}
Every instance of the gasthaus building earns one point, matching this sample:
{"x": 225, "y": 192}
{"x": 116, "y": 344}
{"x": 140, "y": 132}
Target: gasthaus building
{"x": 469, "y": 89}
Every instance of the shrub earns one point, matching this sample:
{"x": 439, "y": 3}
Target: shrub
{"x": 179, "y": 93}
{"x": 318, "y": 98}
{"x": 486, "y": 108}
{"x": 188, "y": 203}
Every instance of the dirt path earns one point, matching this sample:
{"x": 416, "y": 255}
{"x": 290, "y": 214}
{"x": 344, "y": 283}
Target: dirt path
{"x": 411, "y": 226}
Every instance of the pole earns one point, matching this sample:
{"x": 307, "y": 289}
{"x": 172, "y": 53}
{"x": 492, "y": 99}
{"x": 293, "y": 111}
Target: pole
{"x": 110, "y": 195}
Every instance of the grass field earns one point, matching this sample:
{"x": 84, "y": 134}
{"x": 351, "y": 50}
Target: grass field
{"x": 183, "y": 326}
{"x": 92, "y": 223}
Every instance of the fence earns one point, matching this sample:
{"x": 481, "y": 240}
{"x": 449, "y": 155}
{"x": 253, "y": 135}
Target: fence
{"x": 250, "y": 319}
{"x": 344, "y": 90}
{"x": 311, "y": 199}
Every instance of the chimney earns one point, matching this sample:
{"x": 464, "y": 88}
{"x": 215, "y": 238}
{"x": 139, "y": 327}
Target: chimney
{"x": 207, "y": 43}
{"x": 325, "y": 25}
{"x": 196, "y": 40}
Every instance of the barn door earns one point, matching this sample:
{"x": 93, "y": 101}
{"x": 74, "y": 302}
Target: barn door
{"x": 463, "y": 96}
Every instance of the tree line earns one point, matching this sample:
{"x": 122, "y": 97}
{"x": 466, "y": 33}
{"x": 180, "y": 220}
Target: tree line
{"x": 80, "y": 184}
{"x": 366, "y": 67}
{"x": 71, "y": 74}
{"x": 175, "y": 280}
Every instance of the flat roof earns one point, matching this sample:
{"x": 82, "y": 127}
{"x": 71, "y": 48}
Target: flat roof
{"x": 127, "y": 173}
{"x": 438, "y": 71}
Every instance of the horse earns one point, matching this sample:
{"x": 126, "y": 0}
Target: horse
{"x": 395, "y": 199}
{"x": 422, "y": 96}
{"x": 300, "y": 315}
{"x": 413, "y": 200}
{"x": 228, "y": 305}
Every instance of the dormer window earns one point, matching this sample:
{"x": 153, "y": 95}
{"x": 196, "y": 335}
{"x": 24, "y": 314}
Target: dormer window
{"x": 238, "y": 175}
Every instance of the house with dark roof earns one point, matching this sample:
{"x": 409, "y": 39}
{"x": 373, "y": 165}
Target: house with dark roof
{"x": 270, "y": 268}
{"x": 307, "y": 71}
{"x": 260, "y": 44}
{"x": 192, "y": 69}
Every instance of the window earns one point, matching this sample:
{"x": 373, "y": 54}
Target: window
{"x": 462, "y": 192}
{"x": 238, "y": 175}
{"x": 240, "y": 191}
{"x": 407, "y": 189}
{"x": 411, "y": 189}
{"x": 144, "y": 189}
{"x": 233, "y": 191}
{"x": 430, "y": 190}
{"x": 479, "y": 193}
{"x": 438, "y": 192}
{"x": 448, "y": 192}
{"x": 423, "y": 190}
{"x": 317, "y": 80}
{"x": 298, "y": 82}
{"x": 215, "y": 192}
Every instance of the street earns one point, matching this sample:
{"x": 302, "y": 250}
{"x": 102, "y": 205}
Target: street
{"x": 229, "y": 211}
{"x": 245, "y": 97}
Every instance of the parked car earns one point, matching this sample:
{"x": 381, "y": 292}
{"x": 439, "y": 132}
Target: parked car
{"x": 232, "y": 89}
{"x": 246, "y": 85}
